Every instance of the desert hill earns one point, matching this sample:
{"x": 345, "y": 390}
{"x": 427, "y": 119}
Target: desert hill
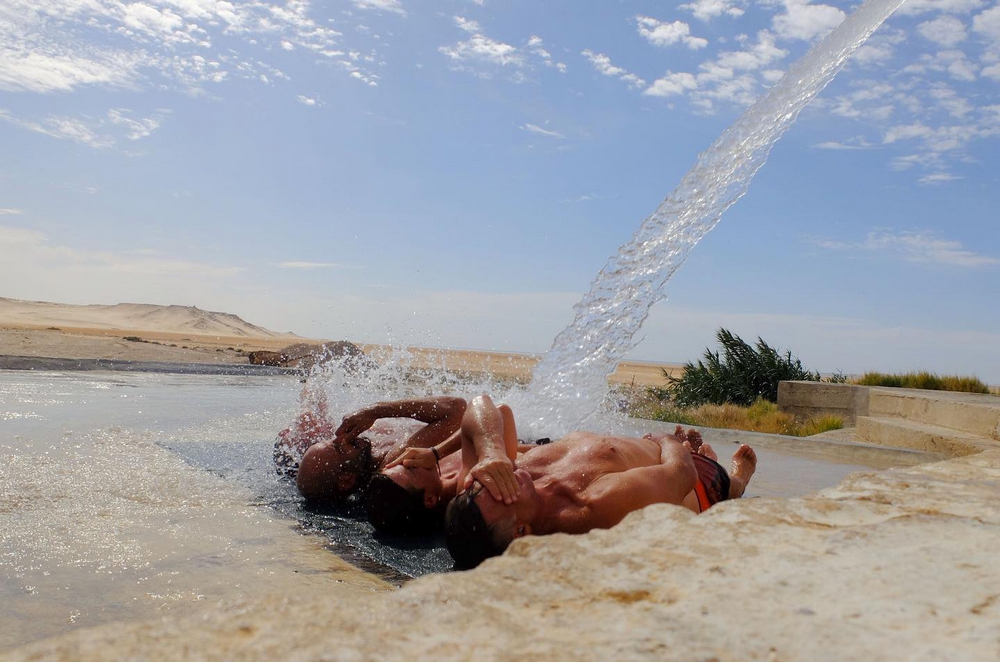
{"x": 132, "y": 317}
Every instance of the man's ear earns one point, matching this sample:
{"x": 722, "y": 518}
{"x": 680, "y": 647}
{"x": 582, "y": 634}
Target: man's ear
{"x": 431, "y": 500}
{"x": 346, "y": 481}
{"x": 521, "y": 529}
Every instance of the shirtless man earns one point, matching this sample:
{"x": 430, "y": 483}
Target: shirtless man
{"x": 409, "y": 496}
{"x": 337, "y": 462}
{"x": 581, "y": 482}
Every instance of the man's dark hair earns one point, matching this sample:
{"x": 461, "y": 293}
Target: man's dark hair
{"x": 362, "y": 466}
{"x": 397, "y": 511}
{"x": 469, "y": 539}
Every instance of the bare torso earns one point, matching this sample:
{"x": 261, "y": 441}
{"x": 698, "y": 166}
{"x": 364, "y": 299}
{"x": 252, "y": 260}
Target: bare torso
{"x": 389, "y": 438}
{"x": 569, "y": 472}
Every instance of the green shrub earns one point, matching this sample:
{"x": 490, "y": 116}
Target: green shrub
{"x": 924, "y": 380}
{"x": 741, "y": 374}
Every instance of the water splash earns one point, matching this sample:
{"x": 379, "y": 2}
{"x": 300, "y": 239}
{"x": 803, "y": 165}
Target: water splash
{"x": 570, "y": 383}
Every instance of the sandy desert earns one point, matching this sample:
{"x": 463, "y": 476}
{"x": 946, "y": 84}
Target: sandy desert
{"x": 186, "y": 334}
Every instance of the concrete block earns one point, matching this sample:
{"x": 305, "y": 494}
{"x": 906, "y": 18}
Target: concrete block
{"x": 848, "y": 401}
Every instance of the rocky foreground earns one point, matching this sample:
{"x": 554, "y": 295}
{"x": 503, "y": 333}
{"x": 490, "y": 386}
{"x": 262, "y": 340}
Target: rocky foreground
{"x": 899, "y": 564}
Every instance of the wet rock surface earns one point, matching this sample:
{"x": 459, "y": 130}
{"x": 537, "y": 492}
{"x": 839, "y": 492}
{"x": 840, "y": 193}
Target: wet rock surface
{"x": 898, "y": 564}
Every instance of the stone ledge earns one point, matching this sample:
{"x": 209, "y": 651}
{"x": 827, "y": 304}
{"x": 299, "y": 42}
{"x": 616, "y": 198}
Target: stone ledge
{"x": 898, "y": 564}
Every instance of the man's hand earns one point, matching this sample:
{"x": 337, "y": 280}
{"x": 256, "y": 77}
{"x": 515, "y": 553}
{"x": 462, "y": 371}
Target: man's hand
{"x": 496, "y": 474}
{"x": 415, "y": 458}
{"x": 354, "y": 424}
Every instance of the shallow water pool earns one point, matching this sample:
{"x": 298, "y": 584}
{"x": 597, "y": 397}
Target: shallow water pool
{"x": 123, "y": 495}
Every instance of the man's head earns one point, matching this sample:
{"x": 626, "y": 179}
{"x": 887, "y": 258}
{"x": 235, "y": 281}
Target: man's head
{"x": 399, "y": 508}
{"x": 332, "y": 470}
{"x": 477, "y": 526}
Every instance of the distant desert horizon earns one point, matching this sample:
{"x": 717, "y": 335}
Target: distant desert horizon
{"x": 188, "y": 334}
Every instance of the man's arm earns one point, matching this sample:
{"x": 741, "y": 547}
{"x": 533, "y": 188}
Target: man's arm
{"x": 426, "y": 410}
{"x": 612, "y": 497}
{"x": 489, "y": 449}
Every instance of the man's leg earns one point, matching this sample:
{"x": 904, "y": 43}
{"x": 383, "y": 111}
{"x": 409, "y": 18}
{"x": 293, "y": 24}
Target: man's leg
{"x": 743, "y": 467}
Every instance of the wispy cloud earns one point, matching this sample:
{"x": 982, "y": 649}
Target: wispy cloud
{"x": 162, "y": 44}
{"x": 602, "y": 63}
{"x": 309, "y": 265}
{"x": 705, "y": 10}
{"x": 100, "y": 133}
{"x": 306, "y": 101}
{"x": 480, "y": 49}
{"x": 394, "y": 6}
{"x": 11, "y": 212}
{"x": 539, "y": 131}
{"x": 922, "y": 246}
{"x": 938, "y": 178}
{"x": 22, "y": 247}
{"x": 857, "y": 142}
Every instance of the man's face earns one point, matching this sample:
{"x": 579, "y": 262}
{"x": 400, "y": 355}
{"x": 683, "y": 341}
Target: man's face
{"x": 501, "y": 517}
{"x": 416, "y": 478}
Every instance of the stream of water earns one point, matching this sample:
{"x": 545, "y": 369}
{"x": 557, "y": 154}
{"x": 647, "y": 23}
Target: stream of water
{"x": 570, "y": 383}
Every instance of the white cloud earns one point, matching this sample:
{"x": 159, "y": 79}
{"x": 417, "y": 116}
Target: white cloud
{"x": 480, "y": 49}
{"x": 705, "y": 10}
{"x": 944, "y": 31}
{"x": 22, "y": 247}
{"x": 855, "y": 143}
{"x": 535, "y": 45}
{"x": 64, "y": 128}
{"x": 759, "y": 55}
{"x": 988, "y": 23}
{"x": 136, "y": 129}
{"x": 672, "y": 84}
{"x": 922, "y": 246}
{"x": 805, "y": 21}
{"x": 306, "y": 101}
{"x": 539, "y": 131}
{"x": 467, "y": 25}
{"x": 914, "y": 7}
{"x": 660, "y": 33}
{"x": 309, "y": 265}
{"x": 992, "y": 71}
{"x": 602, "y": 63}
{"x": 11, "y": 212}
{"x": 394, "y": 6}
{"x": 155, "y": 43}
{"x": 938, "y": 178}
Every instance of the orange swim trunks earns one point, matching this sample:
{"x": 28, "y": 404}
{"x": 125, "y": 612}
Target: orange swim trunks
{"x": 713, "y": 482}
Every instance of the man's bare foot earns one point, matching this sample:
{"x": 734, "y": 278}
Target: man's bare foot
{"x": 709, "y": 452}
{"x": 692, "y": 437}
{"x": 743, "y": 468}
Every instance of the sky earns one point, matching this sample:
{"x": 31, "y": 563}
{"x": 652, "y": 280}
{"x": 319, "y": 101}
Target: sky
{"x": 455, "y": 173}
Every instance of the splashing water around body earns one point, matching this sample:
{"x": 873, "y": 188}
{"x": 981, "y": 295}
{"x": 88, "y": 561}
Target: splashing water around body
{"x": 570, "y": 383}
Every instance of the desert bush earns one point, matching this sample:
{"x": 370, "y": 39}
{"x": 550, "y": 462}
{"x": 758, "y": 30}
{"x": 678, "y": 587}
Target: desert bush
{"x": 925, "y": 380}
{"x": 741, "y": 374}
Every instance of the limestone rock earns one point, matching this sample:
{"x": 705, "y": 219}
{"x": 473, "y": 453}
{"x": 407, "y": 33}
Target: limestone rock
{"x": 306, "y": 356}
{"x": 899, "y": 564}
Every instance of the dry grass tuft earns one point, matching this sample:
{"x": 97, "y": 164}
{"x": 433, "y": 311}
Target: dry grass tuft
{"x": 925, "y": 380}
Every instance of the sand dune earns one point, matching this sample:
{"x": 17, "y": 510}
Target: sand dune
{"x": 132, "y": 317}
{"x": 186, "y": 334}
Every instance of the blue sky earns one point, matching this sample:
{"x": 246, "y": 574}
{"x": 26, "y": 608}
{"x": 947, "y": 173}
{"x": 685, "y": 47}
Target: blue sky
{"x": 455, "y": 173}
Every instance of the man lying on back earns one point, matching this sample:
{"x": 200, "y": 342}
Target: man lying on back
{"x": 581, "y": 482}
{"x": 336, "y": 462}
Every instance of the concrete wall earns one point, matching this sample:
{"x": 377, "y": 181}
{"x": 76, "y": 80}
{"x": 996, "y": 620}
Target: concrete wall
{"x": 847, "y": 401}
